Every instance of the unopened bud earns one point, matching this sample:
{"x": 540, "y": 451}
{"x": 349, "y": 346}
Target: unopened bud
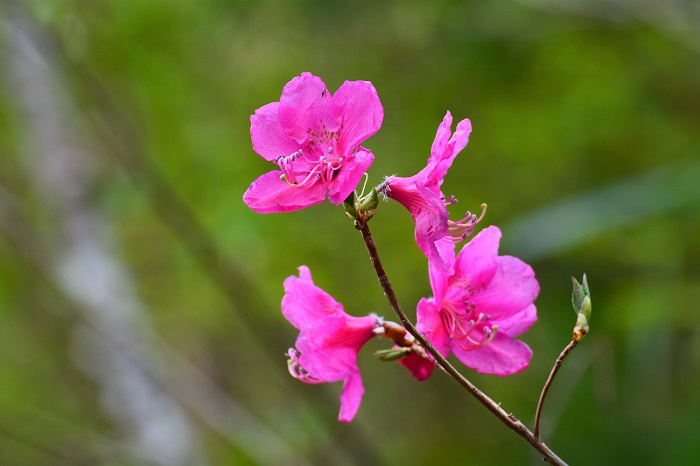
{"x": 579, "y": 295}
{"x": 392, "y": 354}
{"x": 368, "y": 205}
{"x": 581, "y": 302}
{"x": 350, "y": 206}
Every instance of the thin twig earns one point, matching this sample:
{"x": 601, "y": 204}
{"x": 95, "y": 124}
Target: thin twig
{"x": 545, "y": 389}
{"x": 508, "y": 419}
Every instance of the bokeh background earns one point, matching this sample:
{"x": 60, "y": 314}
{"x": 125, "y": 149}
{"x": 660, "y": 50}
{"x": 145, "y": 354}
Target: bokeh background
{"x": 139, "y": 296}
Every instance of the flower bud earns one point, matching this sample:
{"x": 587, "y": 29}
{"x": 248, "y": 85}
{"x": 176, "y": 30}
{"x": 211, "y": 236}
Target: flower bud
{"x": 392, "y": 354}
{"x": 581, "y": 302}
{"x": 349, "y": 205}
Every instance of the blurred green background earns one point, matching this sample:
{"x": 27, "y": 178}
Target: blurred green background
{"x": 139, "y": 296}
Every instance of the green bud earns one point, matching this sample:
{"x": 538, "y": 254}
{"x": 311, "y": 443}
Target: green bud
{"x": 392, "y": 354}
{"x": 581, "y": 302}
{"x": 369, "y": 204}
{"x": 350, "y": 206}
{"x": 581, "y": 297}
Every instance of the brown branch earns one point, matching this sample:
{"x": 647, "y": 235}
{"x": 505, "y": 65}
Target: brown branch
{"x": 545, "y": 389}
{"x": 508, "y": 419}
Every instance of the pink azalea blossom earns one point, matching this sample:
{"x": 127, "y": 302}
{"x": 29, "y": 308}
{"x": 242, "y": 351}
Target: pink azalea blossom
{"x": 476, "y": 312}
{"x": 329, "y": 340}
{"x": 314, "y": 138}
{"x": 421, "y": 194}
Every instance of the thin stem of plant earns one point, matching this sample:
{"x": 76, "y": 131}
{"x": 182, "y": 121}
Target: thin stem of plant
{"x": 545, "y": 389}
{"x": 508, "y": 419}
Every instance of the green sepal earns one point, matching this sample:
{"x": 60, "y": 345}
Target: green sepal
{"x": 391, "y": 354}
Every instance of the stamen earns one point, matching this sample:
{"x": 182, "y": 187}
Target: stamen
{"x": 461, "y": 229}
{"x": 296, "y": 370}
{"x": 297, "y": 185}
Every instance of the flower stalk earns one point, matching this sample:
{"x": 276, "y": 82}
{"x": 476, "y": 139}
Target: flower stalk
{"x": 507, "y": 418}
{"x": 581, "y": 302}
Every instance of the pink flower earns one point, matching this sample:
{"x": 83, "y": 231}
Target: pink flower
{"x": 421, "y": 194}
{"x": 314, "y": 138}
{"x": 476, "y": 312}
{"x": 329, "y": 340}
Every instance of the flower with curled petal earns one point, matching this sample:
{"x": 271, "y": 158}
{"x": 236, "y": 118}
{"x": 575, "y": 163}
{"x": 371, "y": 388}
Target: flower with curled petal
{"x": 314, "y": 139}
{"x": 421, "y": 194}
{"x": 329, "y": 340}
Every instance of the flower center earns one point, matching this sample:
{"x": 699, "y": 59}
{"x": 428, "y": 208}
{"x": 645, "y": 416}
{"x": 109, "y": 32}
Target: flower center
{"x": 300, "y": 169}
{"x": 467, "y": 329}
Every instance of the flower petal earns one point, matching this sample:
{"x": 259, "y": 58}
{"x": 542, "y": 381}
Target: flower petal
{"x": 439, "y": 277}
{"x": 269, "y": 140}
{"x": 517, "y": 323}
{"x": 477, "y": 260}
{"x": 304, "y": 304}
{"x": 351, "y": 397}
{"x": 512, "y": 289}
{"x": 270, "y": 194}
{"x": 502, "y": 356}
{"x": 445, "y": 149}
{"x": 419, "y": 367}
{"x": 361, "y": 110}
{"x": 349, "y": 175}
{"x": 430, "y": 325}
{"x": 306, "y": 107}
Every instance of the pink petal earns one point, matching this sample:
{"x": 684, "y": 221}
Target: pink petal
{"x": 304, "y": 303}
{"x": 329, "y": 366}
{"x": 269, "y": 194}
{"x": 361, "y": 110}
{"x": 445, "y": 149}
{"x": 351, "y": 397}
{"x": 477, "y": 260}
{"x": 350, "y": 175}
{"x": 419, "y": 367}
{"x": 269, "y": 140}
{"x": 431, "y": 226}
{"x": 307, "y": 105}
{"x": 517, "y": 323}
{"x": 439, "y": 278}
{"x": 502, "y": 356}
{"x": 512, "y": 289}
{"x": 430, "y": 325}
{"x": 442, "y": 137}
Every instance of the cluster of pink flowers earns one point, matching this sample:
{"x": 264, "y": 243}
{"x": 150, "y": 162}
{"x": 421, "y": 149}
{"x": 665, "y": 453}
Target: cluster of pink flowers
{"x": 480, "y": 301}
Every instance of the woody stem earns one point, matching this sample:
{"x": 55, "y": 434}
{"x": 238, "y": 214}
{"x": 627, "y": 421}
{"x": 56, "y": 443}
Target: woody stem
{"x": 508, "y": 419}
{"x": 545, "y": 389}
